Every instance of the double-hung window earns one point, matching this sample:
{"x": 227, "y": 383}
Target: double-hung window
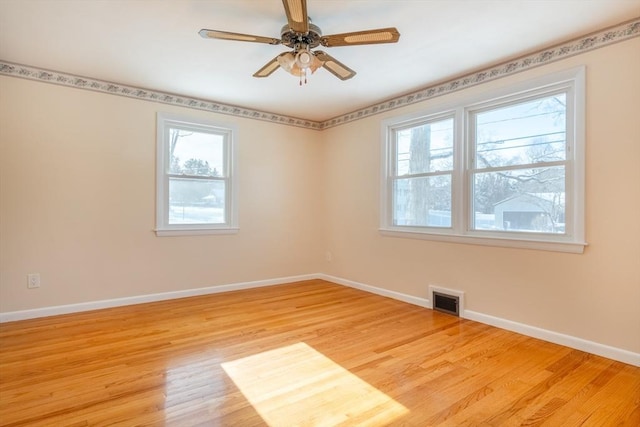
{"x": 195, "y": 177}
{"x": 422, "y": 173}
{"x": 504, "y": 169}
{"x": 518, "y": 165}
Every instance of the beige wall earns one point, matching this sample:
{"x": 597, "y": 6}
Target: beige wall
{"x": 593, "y": 296}
{"x": 77, "y": 205}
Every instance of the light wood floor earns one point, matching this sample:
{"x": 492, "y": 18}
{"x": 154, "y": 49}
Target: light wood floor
{"x": 304, "y": 354}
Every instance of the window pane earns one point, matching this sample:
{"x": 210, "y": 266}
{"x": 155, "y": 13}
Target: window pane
{"x": 195, "y": 201}
{"x": 526, "y": 133}
{"x": 526, "y": 200}
{"x": 425, "y": 148}
{"x": 196, "y": 153}
{"x": 424, "y": 201}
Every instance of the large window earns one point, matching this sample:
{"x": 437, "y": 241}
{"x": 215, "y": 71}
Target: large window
{"x": 505, "y": 169}
{"x": 195, "y": 188}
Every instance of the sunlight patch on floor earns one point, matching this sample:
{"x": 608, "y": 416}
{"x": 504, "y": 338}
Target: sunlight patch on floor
{"x": 193, "y": 388}
{"x": 297, "y": 385}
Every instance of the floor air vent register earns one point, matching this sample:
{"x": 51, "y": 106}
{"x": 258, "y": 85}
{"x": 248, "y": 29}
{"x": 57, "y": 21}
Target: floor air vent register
{"x": 446, "y": 303}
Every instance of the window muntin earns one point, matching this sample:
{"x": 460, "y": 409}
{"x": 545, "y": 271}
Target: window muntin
{"x": 517, "y": 177}
{"x": 195, "y": 187}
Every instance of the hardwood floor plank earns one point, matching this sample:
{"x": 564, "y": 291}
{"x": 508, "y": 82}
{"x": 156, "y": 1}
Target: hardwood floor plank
{"x": 307, "y": 353}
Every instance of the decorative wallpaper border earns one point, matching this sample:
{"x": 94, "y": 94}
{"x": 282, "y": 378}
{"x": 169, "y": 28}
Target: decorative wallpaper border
{"x": 577, "y": 46}
{"x": 592, "y": 41}
{"x": 32, "y": 73}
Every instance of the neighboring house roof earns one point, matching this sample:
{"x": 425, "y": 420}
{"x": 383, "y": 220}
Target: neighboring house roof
{"x": 541, "y": 200}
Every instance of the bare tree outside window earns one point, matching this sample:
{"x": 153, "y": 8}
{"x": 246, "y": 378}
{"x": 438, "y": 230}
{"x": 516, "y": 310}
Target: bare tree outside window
{"x": 424, "y": 162}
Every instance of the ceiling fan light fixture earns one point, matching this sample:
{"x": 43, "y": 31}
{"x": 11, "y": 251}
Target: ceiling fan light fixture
{"x": 299, "y": 64}
{"x": 287, "y": 61}
{"x": 304, "y": 59}
{"x": 314, "y": 64}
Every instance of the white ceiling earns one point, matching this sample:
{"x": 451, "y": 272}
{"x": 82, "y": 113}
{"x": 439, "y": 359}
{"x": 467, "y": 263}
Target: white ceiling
{"x": 154, "y": 44}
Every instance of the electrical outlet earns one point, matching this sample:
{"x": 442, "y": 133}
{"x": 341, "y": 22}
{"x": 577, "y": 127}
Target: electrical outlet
{"x": 33, "y": 280}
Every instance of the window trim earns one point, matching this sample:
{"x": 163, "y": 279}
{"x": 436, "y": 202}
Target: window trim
{"x": 461, "y": 220}
{"x": 163, "y": 122}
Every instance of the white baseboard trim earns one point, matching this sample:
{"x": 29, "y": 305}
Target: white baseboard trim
{"x": 557, "y": 338}
{"x": 603, "y": 350}
{"x": 422, "y": 302}
{"x": 140, "y": 299}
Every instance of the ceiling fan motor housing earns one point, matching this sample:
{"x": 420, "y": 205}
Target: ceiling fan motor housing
{"x": 298, "y": 41}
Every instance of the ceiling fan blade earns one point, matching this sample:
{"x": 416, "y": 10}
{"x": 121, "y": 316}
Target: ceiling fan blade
{"x": 225, "y": 35}
{"x": 269, "y": 67}
{"x": 382, "y": 35}
{"x": 334, "y": 66}
{"x": 297, "y": 15}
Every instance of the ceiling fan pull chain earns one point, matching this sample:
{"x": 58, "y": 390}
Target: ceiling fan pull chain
{"x": 303, "y": 72}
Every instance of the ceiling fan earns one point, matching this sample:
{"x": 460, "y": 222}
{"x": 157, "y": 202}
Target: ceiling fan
{"x": 302, "y": 36}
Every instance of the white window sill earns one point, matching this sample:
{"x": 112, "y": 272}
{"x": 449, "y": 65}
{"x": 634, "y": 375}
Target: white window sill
{"x": 542, "y": 245}
{"x": 194, "y": 231}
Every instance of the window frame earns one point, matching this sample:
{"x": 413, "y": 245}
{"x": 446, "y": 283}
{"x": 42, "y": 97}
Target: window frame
{"x": 393, "y": 153}
{"x": 167, "y": 121}
{"x": 572, "y": 82}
